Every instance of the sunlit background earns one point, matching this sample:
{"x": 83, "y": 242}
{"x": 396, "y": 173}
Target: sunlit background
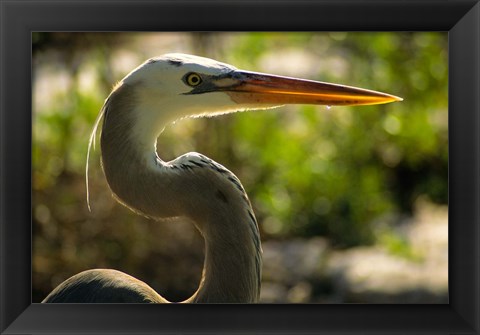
{"x": 351, "y": 201}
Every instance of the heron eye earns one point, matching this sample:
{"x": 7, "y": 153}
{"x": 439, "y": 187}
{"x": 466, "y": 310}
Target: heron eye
{"x": 193, "y": 79}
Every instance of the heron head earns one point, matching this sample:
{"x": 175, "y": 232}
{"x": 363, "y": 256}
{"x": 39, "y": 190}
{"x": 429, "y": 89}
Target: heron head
{"x": 193, "y": 85}
{"x": 174, "y": 86}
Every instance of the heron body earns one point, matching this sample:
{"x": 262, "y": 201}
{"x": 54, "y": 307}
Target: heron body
{"x": 157, "y": 93}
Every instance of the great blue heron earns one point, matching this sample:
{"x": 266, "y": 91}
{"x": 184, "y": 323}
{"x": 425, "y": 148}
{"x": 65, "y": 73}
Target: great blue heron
{"x": 156, "y": 93}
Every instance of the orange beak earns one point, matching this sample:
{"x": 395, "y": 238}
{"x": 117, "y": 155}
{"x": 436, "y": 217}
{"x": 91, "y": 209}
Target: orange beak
{"x": 253, "y": 87}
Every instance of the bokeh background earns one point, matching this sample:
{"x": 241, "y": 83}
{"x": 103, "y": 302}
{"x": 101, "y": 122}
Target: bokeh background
{"x": 351, "y": 201}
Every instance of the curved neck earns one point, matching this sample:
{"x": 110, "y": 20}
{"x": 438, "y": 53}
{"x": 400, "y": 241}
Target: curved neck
{"x": 192, "y": 186}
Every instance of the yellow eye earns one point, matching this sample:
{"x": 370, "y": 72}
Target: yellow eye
{"x": 193, "y": 79}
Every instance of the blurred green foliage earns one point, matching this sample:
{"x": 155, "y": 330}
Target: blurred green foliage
{"x": 309, "y": 171}
{"x": 332, "y": 171}
{"x": 397, "y": 245}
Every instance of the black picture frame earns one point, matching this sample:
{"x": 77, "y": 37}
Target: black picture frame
{"x": 20, "y": 18}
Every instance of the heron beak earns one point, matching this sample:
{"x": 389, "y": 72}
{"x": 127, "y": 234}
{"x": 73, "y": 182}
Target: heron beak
{"x": 253, "y": 87}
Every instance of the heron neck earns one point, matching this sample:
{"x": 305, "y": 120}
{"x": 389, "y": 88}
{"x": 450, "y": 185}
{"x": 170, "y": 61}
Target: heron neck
{"x": 232, "y": 267}
{"x": 217, "y": 205}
